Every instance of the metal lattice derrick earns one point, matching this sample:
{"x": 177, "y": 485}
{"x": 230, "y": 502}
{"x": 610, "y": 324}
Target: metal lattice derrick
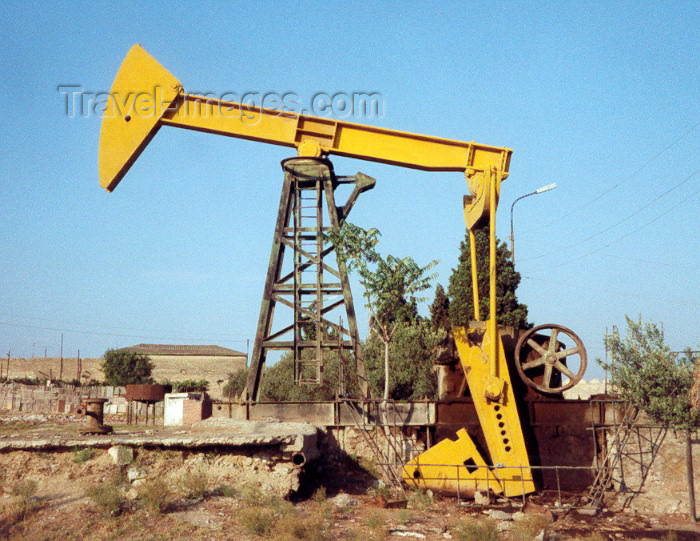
{"x": 317, "y": 285}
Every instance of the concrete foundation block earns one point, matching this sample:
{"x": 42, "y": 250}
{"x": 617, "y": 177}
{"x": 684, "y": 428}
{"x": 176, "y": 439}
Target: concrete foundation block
{"x": 121, "y": 455}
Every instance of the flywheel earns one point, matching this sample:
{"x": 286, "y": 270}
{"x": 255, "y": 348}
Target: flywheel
{"x": 550, "y": 358}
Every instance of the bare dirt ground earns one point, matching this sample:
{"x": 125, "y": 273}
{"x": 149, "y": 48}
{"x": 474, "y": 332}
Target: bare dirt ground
{"x": 81, "y": 494}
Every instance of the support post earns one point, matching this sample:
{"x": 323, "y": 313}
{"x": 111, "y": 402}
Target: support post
{"x": 689, "y": 473}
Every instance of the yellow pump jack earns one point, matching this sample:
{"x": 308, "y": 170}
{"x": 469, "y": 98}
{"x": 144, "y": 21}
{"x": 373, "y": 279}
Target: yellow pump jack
{"x": 145, "y": 96}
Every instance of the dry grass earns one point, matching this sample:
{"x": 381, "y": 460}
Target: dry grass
{"x": 193, "y": 484}
{"x": 255, "y": 496}
{"x": 25, "y": 489}
{"x": 319, "y": 495}
{"x": 377, "y": 523}
{"x": 420, "y": 499}
{"x": 596, "y": 536}
{"x": 405, "y": 516}
{"x": 155, "y": 494}
{"x": 476, "y": 529}
{"x": 257, "y": 521}
{"x": 225, "y": 491}
{"x": 528, "y": 527}
{"x": 298, "y": 527}
{"x": 83, "y": 455}
{"x": 108, "y": 496}
{"x": 266, "y": 515}
{"x": 22, "y": 502}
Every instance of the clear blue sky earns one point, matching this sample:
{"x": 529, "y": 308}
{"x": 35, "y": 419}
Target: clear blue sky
{"x": 601, "y": 98}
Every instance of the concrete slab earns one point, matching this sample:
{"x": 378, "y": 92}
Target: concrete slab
{"x": 290, "y": 438}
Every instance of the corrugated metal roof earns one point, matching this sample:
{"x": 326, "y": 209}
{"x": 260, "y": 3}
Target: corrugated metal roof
{"x": 184, "y": 350}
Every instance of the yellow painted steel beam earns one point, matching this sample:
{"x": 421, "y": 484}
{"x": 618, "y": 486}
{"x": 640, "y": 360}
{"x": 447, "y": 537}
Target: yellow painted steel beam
{"x": 140, "y": 92}
{"x": 498, "y": 418}
{"x": 145, "y": 96}
{"x": 452, "y": 466}
{"x": 457, "y": 466}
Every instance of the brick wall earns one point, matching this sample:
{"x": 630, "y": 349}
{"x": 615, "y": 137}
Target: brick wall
{"x": 41, "y": 399}
{"x": 195, "y": 410}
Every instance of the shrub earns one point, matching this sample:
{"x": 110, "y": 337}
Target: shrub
{"x": 83, "y": 455}
{"x": 108, "y": 496}
{"x": 294, "y": 527}
{"x": 190, "y": 386}
{"x": 25, "y": 489}
{"x": 254, "y": 495}
{"x": 23, "y": 500}
{"x": 474, "y": 529}
{"x": 528, "y": 527}
{"x": 155, "y": 494}
{"x": 376, "y": 520}
{"x": 420, "y": 499}
{"x": 28, "y": 381}
{"x": 194, "y": 484}
{"x": 225, "y": 491}
{"x": 257, "y": 520}
{"x": 319, "y": 495}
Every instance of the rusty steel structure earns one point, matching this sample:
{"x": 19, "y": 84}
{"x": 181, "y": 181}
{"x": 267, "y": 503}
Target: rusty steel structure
{"x": 143, "y": 393}
{"x": 312, "y": 288}
{"x": 93, "y": 410}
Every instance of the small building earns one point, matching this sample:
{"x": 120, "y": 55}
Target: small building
{"x": 182, "y": 362}
{"x": 184, "y": 409}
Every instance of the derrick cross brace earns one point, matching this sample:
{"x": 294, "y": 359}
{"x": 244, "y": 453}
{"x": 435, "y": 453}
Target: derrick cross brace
{"x": 307, "y": 182}
{"x": 145, "y": 96}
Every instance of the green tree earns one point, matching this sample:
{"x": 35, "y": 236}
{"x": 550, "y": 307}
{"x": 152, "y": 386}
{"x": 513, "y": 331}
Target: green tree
{"x": 440, "y": 310}
{"x": 278, "y": 381}
{"x": 509, "y": 310}
{"x": 645, "y": 373}
{"x": 235, "y": 384}
{"x": 411, "y": 359}
{"x": 123, "y": 367}
{"x": 390, "y": 284}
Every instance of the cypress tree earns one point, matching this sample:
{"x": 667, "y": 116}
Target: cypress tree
{"x": 461, "y": 308}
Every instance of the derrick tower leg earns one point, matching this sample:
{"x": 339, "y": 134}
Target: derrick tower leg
{"x": 311, "y": 287}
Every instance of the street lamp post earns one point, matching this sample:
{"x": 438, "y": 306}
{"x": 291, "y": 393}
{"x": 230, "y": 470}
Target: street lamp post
{"x": 537, "y": 191}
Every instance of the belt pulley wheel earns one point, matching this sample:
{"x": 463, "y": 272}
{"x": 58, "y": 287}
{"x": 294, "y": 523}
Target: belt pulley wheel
{"x": 540, "y": 358}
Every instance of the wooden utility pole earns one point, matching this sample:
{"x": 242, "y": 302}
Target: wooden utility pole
{"x": 60, "y": 371}
{"x": 689, "y": 472}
